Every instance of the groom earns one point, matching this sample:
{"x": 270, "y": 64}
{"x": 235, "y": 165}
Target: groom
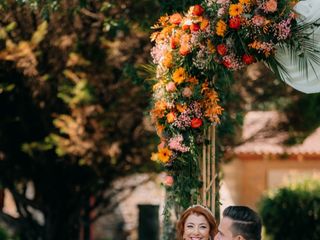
{"x": 239, "y": 223}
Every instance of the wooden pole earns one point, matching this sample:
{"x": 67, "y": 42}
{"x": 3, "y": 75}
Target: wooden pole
{"x": 208, "y": 170}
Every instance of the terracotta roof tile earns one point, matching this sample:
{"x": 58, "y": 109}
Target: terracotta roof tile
{"x": 262, "y": 135}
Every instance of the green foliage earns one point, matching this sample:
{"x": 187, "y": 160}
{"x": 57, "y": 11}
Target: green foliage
{"x": 73, "y": 120}
{"x": 171, "y": 6}
{"x": 308, "y": 107}
{"x": 293, "y": 213}
{"x": 3, "y": 234}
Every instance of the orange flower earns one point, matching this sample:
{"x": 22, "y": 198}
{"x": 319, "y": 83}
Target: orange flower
{"x": 159, "y": 109}
{"x": 204, "y": 24}
{"x": 184, "y": 49}
{"x": 175, "y": 18}
{"x": 164, "y": 155}
{"x": 221, "y": 28}
{"x": 271, "y": 6}
{"x": 210, "y": 46}
{"x": 204, "y": 87}
{"x": 171, "y": 117}
{"x": 243, "y": 2}
{"x": 193, "y": 80}
{"x": 159, "y": 129}
{"x": 163, "y": 20}
{"x": 212, "y": 108}
{"x": 212, "y": 96}
{"x": 179, "y": 75}
{"x": 235, "y": 9}
{"x": 167, "y": 60}
{"x": 181, "y": 107}
{"x": 213, "y": 113}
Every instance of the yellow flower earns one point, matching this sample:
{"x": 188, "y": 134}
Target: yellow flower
{"x": 154, "y": 156}
{"x": 221, "y": 28}
{"x": 164, "y": 155}
{"x": 179, "y": 75}
{"x": 235, "y": 9}
{"x": 244, "y": 2}
{"x": 171, "y": 117}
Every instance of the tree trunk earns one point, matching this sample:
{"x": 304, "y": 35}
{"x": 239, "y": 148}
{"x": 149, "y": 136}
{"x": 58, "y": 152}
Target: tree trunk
{"x": 62, "y": 223}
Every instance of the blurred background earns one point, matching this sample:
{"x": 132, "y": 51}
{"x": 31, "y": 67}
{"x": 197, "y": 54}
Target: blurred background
{"x": 76, "y": 139}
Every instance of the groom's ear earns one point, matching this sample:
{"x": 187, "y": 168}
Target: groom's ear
{"x": 239, "y": 237}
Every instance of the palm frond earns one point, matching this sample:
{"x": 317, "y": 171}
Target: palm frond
{"x": 278, "y": 69}
{"x": 148, "y": 71}
{"x": 304, "y": 50}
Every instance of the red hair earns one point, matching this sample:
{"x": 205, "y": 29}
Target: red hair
{"x": 198, "y": 210}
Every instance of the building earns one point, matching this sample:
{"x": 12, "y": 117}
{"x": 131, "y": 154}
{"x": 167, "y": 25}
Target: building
{"x": 262, "y": 162}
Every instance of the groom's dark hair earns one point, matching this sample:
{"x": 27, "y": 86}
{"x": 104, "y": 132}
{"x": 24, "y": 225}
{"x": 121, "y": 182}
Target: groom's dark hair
{"x": 245, "y": 222}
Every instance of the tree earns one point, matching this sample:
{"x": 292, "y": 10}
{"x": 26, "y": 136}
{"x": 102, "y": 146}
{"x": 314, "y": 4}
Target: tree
{"x": 72, "y": 120}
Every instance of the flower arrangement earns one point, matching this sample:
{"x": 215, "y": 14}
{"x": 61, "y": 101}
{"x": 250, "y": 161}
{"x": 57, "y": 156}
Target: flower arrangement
{"x": 192, "y": 51}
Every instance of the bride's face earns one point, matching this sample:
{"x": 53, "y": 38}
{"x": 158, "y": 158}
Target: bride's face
{"x": 196, "y": 227}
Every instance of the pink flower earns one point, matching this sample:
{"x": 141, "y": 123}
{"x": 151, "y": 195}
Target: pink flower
{"x": 223, "y": 1}
{"x": 161, "y": 145}
{"x": 187, "y": 92}
{"x": 258, "y": 20}
{"x": 283, "y": 29}
{"x": 270, "y": 6}
{"x": 169, "y": 181}
{"x": 176, "y": 143}
{"x": 171, "y": 87}
{"x": 221, "y": 11}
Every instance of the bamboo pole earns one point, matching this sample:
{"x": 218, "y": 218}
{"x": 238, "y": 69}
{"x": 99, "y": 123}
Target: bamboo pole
{"x": 213, "y": 169}
{"x": 208, "y": 170}
{"x": 204, "y": 173}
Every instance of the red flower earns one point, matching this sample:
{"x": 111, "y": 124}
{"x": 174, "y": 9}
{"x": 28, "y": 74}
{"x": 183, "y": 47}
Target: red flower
{"x": 222, "y": 49}
{"x": 235, "y": 22}
{"x": 248, "y": 59}
{"x": 174, "y": 42}
{"x": 196, "y": 123}
{"x": 194, "y": 27}
{"x": 197, "y": 10}
{"x": 185, "y": 27}
{"x": 227, "y": 63}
